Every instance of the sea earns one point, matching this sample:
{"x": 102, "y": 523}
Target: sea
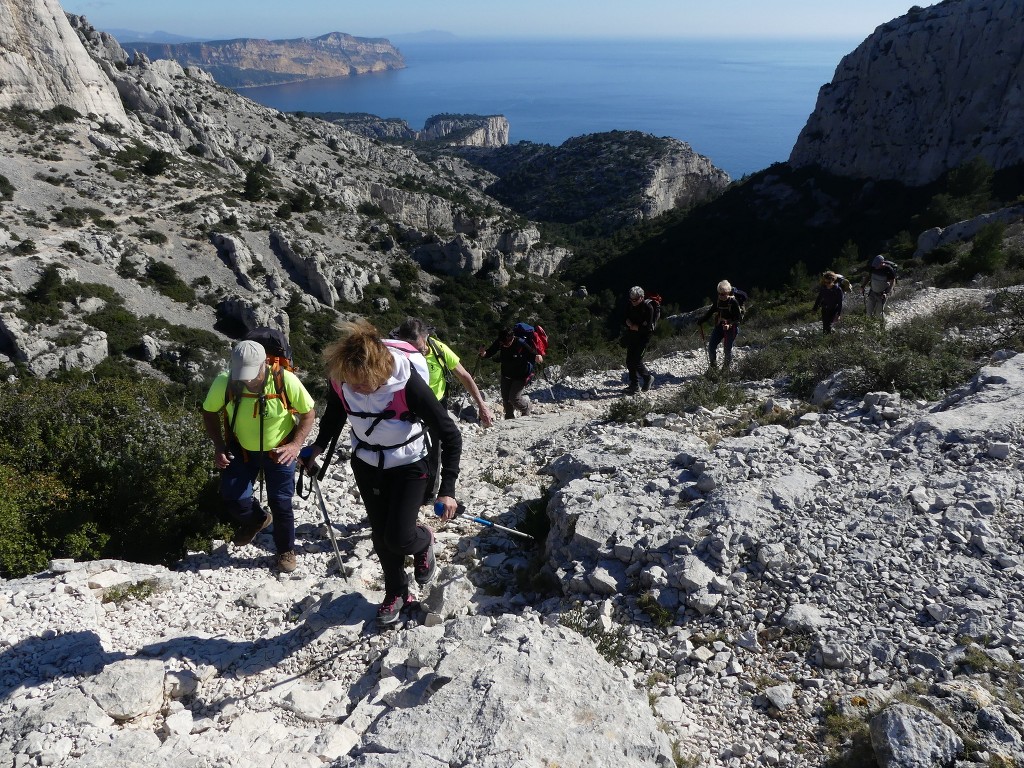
{"x": 741, "y": 103}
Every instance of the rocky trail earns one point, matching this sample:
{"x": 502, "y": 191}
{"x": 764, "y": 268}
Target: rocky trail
{"x": 704, "y": 595}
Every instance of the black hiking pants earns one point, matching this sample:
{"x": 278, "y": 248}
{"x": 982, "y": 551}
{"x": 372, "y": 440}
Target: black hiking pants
{"x": 636, "y": 346}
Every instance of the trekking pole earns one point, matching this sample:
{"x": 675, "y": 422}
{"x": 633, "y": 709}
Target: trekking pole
{"x": 461, "y": 512}
{"x": 327, "y": 519}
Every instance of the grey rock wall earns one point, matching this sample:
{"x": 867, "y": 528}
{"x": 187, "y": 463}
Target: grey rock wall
{"x": 43, "y": 64}
{"x": 923, "y": 94}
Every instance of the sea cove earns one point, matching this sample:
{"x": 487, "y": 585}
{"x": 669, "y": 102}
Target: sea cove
{"x": 740, "y": 102}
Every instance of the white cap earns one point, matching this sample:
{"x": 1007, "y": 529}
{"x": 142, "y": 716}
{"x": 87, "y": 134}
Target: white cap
{"x": 247, "y": 360}
{"x": 878, "y": 261}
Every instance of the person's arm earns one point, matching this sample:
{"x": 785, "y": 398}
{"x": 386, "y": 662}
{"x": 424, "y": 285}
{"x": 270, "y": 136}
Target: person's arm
{"x": 491, "y": 350}
{"x": 331, "y": 424}
{"x": 422, "y": 402}
{"x": 486, "y": 417}
{"x": 212, "y": 423}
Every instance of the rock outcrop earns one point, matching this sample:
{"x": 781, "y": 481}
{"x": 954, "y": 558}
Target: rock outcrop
{"x": 466, "y": 130}
{"x": 924, "y": 94}
{"x": 247, "y": 62}
{"x": 613, "y": 178}
{"x": 43, "y": 64}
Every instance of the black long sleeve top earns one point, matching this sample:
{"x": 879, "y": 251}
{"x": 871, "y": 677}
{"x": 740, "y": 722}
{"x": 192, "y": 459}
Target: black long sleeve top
{"x": 516, "y": 359}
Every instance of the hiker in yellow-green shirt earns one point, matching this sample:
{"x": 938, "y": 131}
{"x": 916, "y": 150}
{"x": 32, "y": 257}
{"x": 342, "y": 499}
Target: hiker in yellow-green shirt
{"x": 246, "y": 441}
{"x": 442, "y": 364}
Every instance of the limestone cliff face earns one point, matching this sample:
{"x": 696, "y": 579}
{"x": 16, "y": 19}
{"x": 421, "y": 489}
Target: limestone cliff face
{"x": 247, "y": 62}
{"x": 467, "y": 130}
{"x": 923, "y": 94}
{"x": 612, "y": 178}
{"x": 43, "y": 64}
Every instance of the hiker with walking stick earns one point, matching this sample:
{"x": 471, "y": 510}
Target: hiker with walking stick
{"x": 727, "y": 311}
{"x": 518, "y": 357}
{"x": 248, "y": 414}
{"x": 374, "y": 388}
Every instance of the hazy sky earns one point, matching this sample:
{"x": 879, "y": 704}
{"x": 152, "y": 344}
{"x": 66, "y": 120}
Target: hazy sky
{"x": 274, "y": 19}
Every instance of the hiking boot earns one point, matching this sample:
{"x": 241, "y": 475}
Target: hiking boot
{"x": 391, "y": 608}
{"x": 248, "y": 531}
{"x": 648, "y": 380}
{"x": 425, "y": 564}
{"x": 286, "y": 561}
{"x": 632, "y": 389}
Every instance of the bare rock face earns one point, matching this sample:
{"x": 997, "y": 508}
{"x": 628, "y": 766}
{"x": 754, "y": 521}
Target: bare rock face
{"x": 467, "y": 130}
{"x": 43, "y": 64}
{"x": 923, "y": 94}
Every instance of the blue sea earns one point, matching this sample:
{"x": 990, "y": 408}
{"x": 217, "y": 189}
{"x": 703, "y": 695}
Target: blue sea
{"x": 742, "y": 103}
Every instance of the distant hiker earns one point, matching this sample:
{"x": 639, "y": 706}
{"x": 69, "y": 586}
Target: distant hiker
{"x": 830, "y": 300}
{"x": 518, "y": 357}
{"x": 374, "y": 388}
{"x": 253, "y": 429}
{"x": 640, "y": 320}
{"x": 728, "y": 312}
{"x": 442, "y": 363}
{"x": 879, "y": 283}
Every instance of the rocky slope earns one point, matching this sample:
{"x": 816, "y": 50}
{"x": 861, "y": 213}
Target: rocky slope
{"x": 923, "y": 94}
{"x": 712, "y": 591}
{"x": 455, "y": 130}
{"x": 616, "y": 177}
{"x": 329, "y": 214}
{"x": 247, "y": 62}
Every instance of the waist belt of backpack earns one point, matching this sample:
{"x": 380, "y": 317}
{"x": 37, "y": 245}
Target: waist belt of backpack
{"x": 379, "y": 449}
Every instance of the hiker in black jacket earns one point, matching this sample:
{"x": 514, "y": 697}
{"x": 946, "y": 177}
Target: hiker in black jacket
{"x": 639, "y": 327}
{"x": 727, "y": 312}
{"x": 518, "y": 357}
{"x": 830, "y": 301}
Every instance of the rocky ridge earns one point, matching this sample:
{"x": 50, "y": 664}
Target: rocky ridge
{"x": 250, "y": 62}
{"x": 366, "y": 208}
{"x": 923, "y": 94}
{"x": 717, "y": 584}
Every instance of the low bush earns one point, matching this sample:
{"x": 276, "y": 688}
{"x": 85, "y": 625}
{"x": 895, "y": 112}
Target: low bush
{"x": 99, "y": 468}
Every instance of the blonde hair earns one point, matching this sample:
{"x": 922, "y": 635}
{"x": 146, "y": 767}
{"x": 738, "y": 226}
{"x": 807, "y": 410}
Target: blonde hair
{"x": 359, "y": 356}
{"x": 725, "y": 287}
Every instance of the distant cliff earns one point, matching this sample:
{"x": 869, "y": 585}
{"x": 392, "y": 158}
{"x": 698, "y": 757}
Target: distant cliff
{"x": 614, "y": 178}
{"x": 923, "y": 94}
{"x": 450, "y": 130}
{"x": 246, "y": 61}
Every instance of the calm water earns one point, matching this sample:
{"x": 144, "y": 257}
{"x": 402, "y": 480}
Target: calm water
{"x": 741, "y": 103}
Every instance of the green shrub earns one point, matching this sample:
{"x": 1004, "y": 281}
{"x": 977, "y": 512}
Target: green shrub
{"x": 25, "y": 248}
{"x": 118, "y": 469}
{"x": 165, "y": 279}
{"x": 7, "y": 189}
{"x": 153, "y": 236}
{"x": 157, "y": 163}
{"x": 628, "y": 410}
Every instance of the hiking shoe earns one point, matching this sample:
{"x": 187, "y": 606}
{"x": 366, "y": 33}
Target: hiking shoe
{"x": 391, "y": 608}
{"x": 648, "y": 380}
{"x": 425, "y": 564}
{"x": 286, "y": 561}
{"x": 632, "y": 389}
{"x": 248, "y": 531}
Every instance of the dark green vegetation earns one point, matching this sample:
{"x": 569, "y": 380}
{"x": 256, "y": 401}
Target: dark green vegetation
{"x": 592, "y": 182}
{"x": 779, "y": 225}
{"x": 98, "y": 467}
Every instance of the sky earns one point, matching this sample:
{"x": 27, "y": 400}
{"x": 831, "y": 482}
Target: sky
{"x": 274, "y": 19}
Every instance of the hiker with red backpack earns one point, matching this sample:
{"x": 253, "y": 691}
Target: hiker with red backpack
{"x": 727, "y": 312}
{"x": 641, "y": 318}
{"x": 250, "y": 415}
{"x": 379, "y": 389}
{"x": 519, "y": 354}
